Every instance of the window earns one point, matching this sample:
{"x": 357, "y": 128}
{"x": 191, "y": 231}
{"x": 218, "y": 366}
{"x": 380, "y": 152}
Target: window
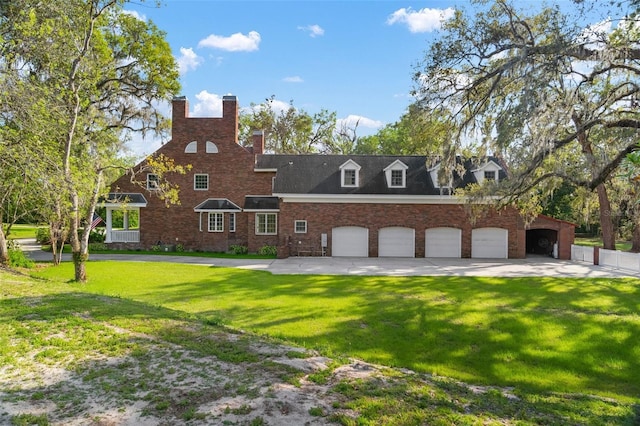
{"x": 350, "y": 174}
{"x": 349, "y": 178}
{"x": 191, "y": 148}
{"x": 211, "y": 148}
{"x": 152, "y": 182}
{"x": 397, "y": 177}
{"x": 300, "y": 226}
{"x": 396, "y": 174}
{"x": 201, "y": 182}
{"x": 216, "y": 223}
{"x": 266, "y": 223}
{"x": 490, "y": 175}
{"x": 232, "y": 222}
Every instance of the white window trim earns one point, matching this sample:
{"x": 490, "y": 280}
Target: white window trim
{"x": 396, "y": 166}
{"x": 295, "y": 226}
{"x": 258, "y": 224}
{"x": 232, "y": 222}
{"x": 350, "y": 165}
{"x": 490, "y": 166}
{"x": 195, "y": 179}
{"x": 191, "y": 148}
{"x": 216, "y": 222}
{"x": 152, "y": 183}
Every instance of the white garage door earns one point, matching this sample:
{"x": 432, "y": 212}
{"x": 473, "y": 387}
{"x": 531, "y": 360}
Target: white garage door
{"x": 350, "y": 241}
{"x": 489, "y": 243}
{"x": 397, "y": 241}
{"x": 443, "y": 242}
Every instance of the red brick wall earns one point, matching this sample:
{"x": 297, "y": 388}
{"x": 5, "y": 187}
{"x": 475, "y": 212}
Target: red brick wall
{"x": 321, "y": 218}
{"x": 230, "y": 173}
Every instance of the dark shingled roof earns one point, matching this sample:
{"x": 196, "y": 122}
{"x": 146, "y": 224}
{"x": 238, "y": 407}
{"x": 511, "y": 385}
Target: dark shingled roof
{"x": 320, "y": 174}
{"x": 125, "y": 197}
{"x": 216, "y": 204}
{"x": 261, "y": 203}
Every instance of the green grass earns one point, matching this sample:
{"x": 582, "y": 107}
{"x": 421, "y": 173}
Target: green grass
{"x": 597, "y": 242}
{"x": 554, "y": 328}
{"x": 536, "y": 334}
{"x": 19, "y": 231}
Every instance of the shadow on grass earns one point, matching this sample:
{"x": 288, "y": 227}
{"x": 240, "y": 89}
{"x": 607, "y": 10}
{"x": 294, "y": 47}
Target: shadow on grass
{"x": 540, "y": 335}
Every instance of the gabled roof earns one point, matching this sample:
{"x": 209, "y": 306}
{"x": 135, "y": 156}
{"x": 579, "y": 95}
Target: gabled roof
{"x": 217, "y": 205}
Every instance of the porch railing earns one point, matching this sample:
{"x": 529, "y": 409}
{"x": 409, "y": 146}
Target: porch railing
{"x": 128, "y": 236}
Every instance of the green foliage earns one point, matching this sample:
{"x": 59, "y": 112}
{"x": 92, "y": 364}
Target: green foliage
{"x": 42, "y": 236}
{"x": 268, "y": 251}
{"x": 17, "y": 258}
{"x": 238, "y": 249}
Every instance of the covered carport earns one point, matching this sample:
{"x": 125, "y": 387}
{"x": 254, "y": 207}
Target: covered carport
{"x": 550, "y": 236}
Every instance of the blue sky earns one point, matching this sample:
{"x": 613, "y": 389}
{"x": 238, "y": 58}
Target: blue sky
{"x": 352, "y": 57}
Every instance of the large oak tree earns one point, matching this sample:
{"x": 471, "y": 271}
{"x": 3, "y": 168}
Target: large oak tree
{"x": 558, "y": 99}
{"x": 100, "y": 73}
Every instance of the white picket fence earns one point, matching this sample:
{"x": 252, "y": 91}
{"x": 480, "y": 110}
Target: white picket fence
{"x": 608, "y": 258}
{"x": 620, "y": 260}
{"x": 582, "y": 253}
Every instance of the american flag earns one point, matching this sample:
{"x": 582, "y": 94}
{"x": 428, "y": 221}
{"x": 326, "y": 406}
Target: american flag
{"x": 96, "y": 220}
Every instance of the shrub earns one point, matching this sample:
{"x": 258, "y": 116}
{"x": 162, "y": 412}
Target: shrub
{"x": 179, "y": 248}
{"x": 42, "y": 236}
{"x": 268, "y": 251}
{"x": 156, "y": 248}
{"x": 238, "y": 249}
{"x": 98, "y": 247}
{"x": 97, "y": 236}
{"x": 17, "y": 259}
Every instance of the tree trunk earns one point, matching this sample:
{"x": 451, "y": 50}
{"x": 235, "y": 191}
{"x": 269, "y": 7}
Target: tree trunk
{"x": 635, "y": 239}
{"x": 606, "y": 219}
{"x": 4, "y": 249}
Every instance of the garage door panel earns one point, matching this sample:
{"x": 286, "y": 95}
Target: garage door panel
{"x": 350, "y": 241}
{"x": 396, "y": 241}
{"x": 443, "y": 242}
{"x": 490, "y": 243}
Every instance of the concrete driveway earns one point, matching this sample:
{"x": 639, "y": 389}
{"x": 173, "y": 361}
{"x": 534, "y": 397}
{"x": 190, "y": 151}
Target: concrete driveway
{"x": 535, "y": 266}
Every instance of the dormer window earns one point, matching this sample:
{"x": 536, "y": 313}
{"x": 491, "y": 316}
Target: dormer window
{"x": 489, "y": 171}
{"x": 396, "y": 174}
{"x": 350, "y": 174}
{"x": 444, "y": 187}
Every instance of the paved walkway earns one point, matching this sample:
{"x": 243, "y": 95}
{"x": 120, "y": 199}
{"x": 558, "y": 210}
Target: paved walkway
{"x": 535, "y": 266}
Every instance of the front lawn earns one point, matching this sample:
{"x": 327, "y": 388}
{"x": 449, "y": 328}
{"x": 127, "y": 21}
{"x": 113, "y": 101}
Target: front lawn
{"x": 534, "y": 334}
{"x": 19, "y": 231}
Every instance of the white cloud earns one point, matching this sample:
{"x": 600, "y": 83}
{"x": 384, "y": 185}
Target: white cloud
{"x": 293, "y": 79}
{"x": 351, "y": 121}
{"x": 136, "y": 15}
{"x": 208, "y": 105}
{"x": 313, "y": 30}
{"x": 188, "y": 60}
{"x": 421, "y": 21}
{"x": 237, "y": 42}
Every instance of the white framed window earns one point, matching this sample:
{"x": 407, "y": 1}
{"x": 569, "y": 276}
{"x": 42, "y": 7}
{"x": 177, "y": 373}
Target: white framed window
{"x": 350, "y": 174}
{"x": 216, "y": 222}
{"x": 201, "y": 182}
{"x": 349, "y": 177}
{"x": 396, "y": 174}
{"x": 232, "y": 222}
{"x": 397, "y": 178}
{"x": 490, "y": 175}
{"x": 191, "y": 148}
{"x": 300, "y": 226}
{"x": 152, "y": 182}
{"x": 266, "y": 223}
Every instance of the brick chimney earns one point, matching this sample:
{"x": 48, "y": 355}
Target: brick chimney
{"x": 180, "y": 108}
{"x": 230, "y": 113}
{"x": 258, "y": 142}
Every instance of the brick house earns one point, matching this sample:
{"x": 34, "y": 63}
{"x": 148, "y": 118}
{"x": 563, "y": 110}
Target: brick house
{"x": 331, "y": 205}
